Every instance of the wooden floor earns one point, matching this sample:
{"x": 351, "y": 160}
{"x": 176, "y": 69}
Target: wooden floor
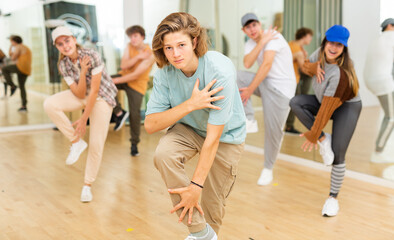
{"x": 39, "y": 197}
{"x": 362, "y": 145}
{"x": 9, "y": 115}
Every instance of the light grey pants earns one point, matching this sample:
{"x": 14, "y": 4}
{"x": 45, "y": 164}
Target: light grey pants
{"x": 276, "y": 109}
{"x": 387, "y": 103}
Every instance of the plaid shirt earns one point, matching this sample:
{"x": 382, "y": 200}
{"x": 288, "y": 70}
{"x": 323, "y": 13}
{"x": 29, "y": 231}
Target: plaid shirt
{"x": 71, "y": 72}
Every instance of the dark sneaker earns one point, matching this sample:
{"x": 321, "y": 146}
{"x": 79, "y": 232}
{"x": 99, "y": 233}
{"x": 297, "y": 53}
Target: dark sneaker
{"x": 13, "y": 89}
{"x": 22, "y": 109}
{"x": 134, "y": 150}
{"x": 292, "y": 130}
{"x": 119, "y": 121}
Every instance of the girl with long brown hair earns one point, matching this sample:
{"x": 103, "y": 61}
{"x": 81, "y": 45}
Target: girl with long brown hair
{"x": 336, "y": 97}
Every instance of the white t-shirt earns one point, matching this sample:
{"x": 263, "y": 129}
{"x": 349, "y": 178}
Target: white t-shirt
{"x": 281, "y": 75}
{"x": 378, "y": 70}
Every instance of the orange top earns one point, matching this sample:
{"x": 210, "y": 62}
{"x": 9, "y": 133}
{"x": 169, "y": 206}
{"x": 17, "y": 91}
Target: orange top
{"x": 294, "y": 47}
{"x": 140, "y": 84}
{"x": 24, "y": 60}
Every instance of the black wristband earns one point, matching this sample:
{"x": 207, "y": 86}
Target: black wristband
{"x": 196, "y": 184}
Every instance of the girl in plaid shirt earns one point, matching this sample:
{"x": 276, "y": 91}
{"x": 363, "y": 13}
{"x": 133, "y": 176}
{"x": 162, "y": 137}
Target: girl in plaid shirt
{"x": 92, "y": 90}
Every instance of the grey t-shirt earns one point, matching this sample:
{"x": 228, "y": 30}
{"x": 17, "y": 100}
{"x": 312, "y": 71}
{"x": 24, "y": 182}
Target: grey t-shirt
{"x": 331, "y": 80}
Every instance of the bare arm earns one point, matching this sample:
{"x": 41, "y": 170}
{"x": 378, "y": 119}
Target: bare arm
{"x": 261, "y": 74}
{"x": 199, "y": 100}
{"x": 267, "y": 36}
{"x": 250, "y": 58}
{"x": 17, "y": 52}
{"x": 128, "y": 62}
{"x": 299, "y": 57}
{"x": 92, "y": 98}
{"x": 142, "y": 67}
{"x": 190, "y": 195}
{"x": 208, "y": 153}
{"x": 79, "y": 89}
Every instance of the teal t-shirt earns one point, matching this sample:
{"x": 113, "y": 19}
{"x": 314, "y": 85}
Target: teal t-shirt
{"x": 171, "y": 88}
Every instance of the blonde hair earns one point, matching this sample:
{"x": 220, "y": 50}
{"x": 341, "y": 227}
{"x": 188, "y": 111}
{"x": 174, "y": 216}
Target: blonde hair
{"x": 344, "y": 62}
{"x": 175, "y": 22}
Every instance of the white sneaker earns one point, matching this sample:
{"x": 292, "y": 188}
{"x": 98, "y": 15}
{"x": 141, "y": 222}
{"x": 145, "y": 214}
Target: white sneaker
{"x": 75, "y": 151}
{"x": 86, "y": 194}
{"x": 330, "y": 208}
{"x": 326, "y": 150}
{"x": 210, "y": 235}
{"x": 251, "y": 126}
{"x": 265, "y": 177}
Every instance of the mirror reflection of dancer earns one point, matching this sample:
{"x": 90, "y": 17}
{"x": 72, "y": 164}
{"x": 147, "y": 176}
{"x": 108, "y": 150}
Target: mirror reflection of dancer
{"x": 336, "y": 97}
{"x": 379, "y": 78}
{"x": 20, "y": 54}
{"x": 92, "y": 90}
{"x": 274, "y": 82}
{"x": 184, "y": 98}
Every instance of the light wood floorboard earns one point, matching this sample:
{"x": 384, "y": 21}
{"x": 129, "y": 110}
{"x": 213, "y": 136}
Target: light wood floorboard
{"x": 39, "y": 197}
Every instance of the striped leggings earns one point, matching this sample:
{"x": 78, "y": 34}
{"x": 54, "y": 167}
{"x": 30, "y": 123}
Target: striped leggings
{"x": 345, "y": 118}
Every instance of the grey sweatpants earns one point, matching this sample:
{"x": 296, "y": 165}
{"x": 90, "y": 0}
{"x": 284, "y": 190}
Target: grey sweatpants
{"x": 276, "y": 109}
{"x": 387, "y": 103}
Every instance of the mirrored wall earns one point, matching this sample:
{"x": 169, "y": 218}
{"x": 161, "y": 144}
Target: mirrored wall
{"x": 105, "y": 32}
{"x": 96, "y": 24}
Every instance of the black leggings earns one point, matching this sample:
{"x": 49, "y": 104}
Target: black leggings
{"x": 344, "y": 119}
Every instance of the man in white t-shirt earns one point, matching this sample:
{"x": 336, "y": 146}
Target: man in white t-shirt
{"x": 379, "y": 78}
{"x": 274, "y": 82}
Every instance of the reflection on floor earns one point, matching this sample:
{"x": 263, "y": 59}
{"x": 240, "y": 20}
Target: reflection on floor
{"x": 9, "y": 115}
{"x": 361, "y": 147}
{"x": 39, "y": 197}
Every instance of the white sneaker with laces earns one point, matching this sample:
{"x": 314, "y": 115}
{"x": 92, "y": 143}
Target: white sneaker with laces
{"x": 330, "y": 208}
{"x": 210, "y": 235}
{"x": 326, "y": 150}
{"x": 265, "y": 177}
{"x": 86, "y": 194}
{"x": 251, "y": 126}
{"x": 75, "y": 151}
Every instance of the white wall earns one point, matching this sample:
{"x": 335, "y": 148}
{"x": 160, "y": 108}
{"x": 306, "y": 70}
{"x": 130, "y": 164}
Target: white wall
{"x": 363, "y": 23}
{"x": 154, "y": 11}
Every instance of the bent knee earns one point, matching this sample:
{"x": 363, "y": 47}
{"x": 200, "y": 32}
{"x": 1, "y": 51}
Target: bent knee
{"x": 162, "y": 157}
{"x": 48, "y": 104}
{"x": 294, "y": 102}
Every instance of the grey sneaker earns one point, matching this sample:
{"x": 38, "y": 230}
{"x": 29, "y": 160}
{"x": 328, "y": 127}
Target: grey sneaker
{"x": 211, "y": 235}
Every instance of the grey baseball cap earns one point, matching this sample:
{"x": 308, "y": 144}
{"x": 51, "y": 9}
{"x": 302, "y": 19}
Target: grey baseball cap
{"x": 247, "y": 17}
{"x": 387, "y": 22}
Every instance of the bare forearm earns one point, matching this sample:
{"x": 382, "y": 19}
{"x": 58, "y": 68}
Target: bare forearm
{"x": 251, "y": 58}
{"x": 90, "y": 104}
{"x": 158, "y": 121}
{"x": 128, "y": 63}
{"x": 80, "y": 91}
{"x": 126, "y": 78}
{"x": 135, "y": 74}
{"x": 207, "y": 156}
